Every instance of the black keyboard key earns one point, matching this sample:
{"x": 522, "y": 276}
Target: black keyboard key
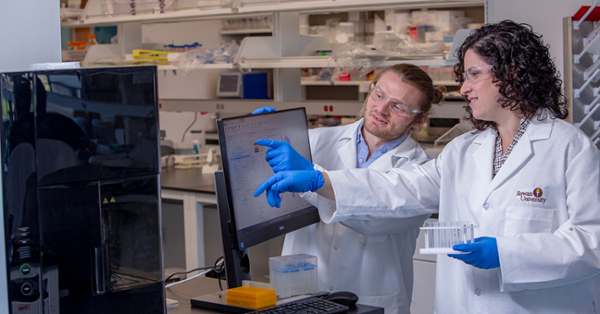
{"x": 312, "y": 305}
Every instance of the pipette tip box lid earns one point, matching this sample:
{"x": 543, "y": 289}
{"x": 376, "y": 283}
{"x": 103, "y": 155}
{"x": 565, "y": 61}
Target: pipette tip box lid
{"x": 293, "y": 275}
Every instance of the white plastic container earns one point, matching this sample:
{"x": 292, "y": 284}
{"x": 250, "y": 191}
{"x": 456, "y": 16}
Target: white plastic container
{"x": 440, "y": 237}
{"x": 184, "y": 148}
{"x": 292, "y": 275}
{"x": 186, "y": 155}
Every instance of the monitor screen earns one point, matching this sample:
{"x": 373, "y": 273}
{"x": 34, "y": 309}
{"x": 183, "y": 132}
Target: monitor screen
{"x": 229, "y": 83}
{"x": 245, "y": 168}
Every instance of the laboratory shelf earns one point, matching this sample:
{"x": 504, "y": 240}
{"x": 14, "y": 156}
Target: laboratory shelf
{"x": 225, "y": 66}
{"x": 450, "y": 109}
{"x": 316, "y": 6}
{"x": 92, "y": 16}
{"x": 93, "y": 13}
{"x": 342, "y": 108}
{"x": 315, "y": 83}
{"x": 246, "y": 31}
{"x": 360, "y": 83}
{"x": 324, "y": 62}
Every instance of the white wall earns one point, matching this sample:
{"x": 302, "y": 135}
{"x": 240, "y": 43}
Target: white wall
{"x": 29, "y": 33}
{"x": 545, "y": 16}
{"x": 176, "y": 122}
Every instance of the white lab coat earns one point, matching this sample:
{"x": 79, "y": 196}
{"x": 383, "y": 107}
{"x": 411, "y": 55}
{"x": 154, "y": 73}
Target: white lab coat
{"x": 370, "y": 258}
{"x": 549, "y": 246}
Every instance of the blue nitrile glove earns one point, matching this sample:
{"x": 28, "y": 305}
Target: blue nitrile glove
{"x": 282, "y": 156}
{"x": 289, "y": 181}
{"x": 483, "y": 253}
{"x": 263, "y": 110}
{"x": 273, "y": 198}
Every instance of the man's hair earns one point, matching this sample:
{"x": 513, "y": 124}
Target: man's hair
{"x": 419, "y": 79}
{"x": 521, "y": 67}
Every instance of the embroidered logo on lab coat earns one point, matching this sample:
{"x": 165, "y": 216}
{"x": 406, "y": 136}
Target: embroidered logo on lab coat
{"x": 535, "y": 196}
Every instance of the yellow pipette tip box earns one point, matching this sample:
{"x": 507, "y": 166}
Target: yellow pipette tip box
{"x": 251, "y": 297}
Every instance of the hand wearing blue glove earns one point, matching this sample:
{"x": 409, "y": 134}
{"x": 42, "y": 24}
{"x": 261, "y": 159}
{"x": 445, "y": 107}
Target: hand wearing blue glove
{"x": 289, "y": 181}
{"x": 263, "y": 110}
{"x": 483, "y": 253}
{"x": 273, "y": 198}
{"x": 281, "y": 156}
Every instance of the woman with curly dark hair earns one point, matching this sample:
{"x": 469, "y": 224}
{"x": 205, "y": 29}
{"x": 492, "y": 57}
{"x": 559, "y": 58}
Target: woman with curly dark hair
{"x": 521, "y": 66}
{"x": 528, "y": 180}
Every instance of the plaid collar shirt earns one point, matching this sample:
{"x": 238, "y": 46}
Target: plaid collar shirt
{"x": 499, "y": 157}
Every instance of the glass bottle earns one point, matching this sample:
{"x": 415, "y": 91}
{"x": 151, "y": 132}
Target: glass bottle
{"x": 91, "y": 41}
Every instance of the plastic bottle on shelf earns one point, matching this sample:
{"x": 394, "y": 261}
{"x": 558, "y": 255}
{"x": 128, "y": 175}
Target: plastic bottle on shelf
{"x": 91, "y": 41}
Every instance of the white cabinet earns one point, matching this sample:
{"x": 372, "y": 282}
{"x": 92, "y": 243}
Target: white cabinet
{"x": 424, "y": 278}
{"x": 284, "y": 53}
{"x": 423, "y": 287}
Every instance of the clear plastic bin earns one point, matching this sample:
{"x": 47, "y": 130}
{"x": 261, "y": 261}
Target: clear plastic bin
{"x": 292, "y": 275}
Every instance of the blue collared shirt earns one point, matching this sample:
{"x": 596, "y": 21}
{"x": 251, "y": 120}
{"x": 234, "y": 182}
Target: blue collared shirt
{"x": 362, "y": 150}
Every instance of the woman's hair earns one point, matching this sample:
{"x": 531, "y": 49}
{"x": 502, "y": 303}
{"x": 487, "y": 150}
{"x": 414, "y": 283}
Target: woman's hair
{"x": 522, "y": 68}
{"x": 419, "y": 79}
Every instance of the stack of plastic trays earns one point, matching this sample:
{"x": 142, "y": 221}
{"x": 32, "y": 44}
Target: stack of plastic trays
{"x": 292, "y": 275}
{"x": 440, "y": 237}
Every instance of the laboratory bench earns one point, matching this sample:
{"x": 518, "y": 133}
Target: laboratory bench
{"x": 188, "y": 180}
{"x": 193, "y": 288}
{"x": 195, "y": 190}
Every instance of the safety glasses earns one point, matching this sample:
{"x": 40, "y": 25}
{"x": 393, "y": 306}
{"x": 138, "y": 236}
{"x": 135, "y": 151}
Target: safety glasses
{"x": 474, "y": 75}
{"x": 396, "y": 106}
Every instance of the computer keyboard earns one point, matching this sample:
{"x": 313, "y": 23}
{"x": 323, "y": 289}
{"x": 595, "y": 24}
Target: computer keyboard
{"x": 311, "y": 305}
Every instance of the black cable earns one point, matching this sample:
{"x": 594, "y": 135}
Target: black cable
{"x": 187, "y": 272}
{"x": 219, "y": 271}
{"x": 189, "y": 127}
{"x": 215, "y": 267}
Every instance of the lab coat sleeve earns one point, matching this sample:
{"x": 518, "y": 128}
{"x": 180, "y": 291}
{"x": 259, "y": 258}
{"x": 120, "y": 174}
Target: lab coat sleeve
{"x": 368, "y": 194}
{"x": 314, "y": 198}
{"x": 365, "y": 227}
{"x": 572, "y": 252}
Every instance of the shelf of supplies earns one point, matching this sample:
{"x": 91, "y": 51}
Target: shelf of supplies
{"x": 323, "y": 62}
{"x": 93, "y": 15}
{"x": 181, "y": 15}
{"x": 316, "y": 6}
{"x": 246, "y": 31}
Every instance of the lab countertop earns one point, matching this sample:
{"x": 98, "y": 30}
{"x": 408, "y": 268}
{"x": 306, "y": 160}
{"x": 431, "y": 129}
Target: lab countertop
{"x": 193, "y": 288}
{"x": 190, "y": 180}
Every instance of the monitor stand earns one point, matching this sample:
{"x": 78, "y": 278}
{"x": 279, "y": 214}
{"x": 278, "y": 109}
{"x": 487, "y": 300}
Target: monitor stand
{"x": 237, "y": 262}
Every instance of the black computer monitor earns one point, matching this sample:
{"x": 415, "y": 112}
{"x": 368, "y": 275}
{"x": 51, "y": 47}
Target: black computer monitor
{"x": 251, "y": 220}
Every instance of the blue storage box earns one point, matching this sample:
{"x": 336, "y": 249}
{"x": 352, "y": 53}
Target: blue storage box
{"x": 255, "y": 86}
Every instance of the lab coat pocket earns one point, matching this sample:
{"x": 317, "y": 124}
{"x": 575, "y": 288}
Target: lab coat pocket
{"x": 528, "y": 220}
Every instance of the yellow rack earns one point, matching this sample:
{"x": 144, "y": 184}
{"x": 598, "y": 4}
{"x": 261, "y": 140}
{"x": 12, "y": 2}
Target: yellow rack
{"x": 151, "y": 56}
